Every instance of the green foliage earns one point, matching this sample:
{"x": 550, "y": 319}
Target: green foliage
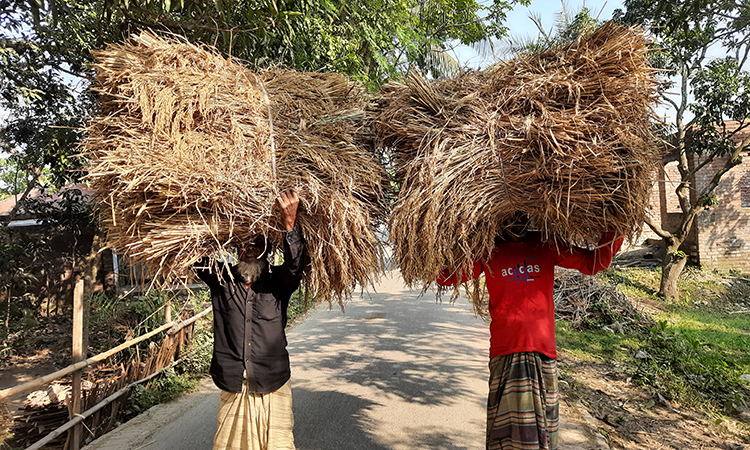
{"x": 709, "y": 201}
{"x": 17, "y": 259}
{"x": 165, "y": 388}
{"x": 297, "y": 307}
{"x": 145, "y": 313}
{"x": 719, "y": 87}
{"x": 690, "y": 370}
{"x": 24, "y": 258}
{"x": 117, "y": 319}
{"x": 147, "y": 309}
{"x": 696, "y": 350}
{"x": 13, "y": 179}
{"x": 715, "y": 90}
{"x": 197, "y": 361}
{"x": 140, "y": 400}
{"x": 567, "y": 29}
{"x": 69, "y": 210}
{"x": 678, "y": 254}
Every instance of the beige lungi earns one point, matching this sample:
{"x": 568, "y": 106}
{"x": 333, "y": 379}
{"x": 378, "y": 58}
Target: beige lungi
{"x": 249, "y": 421}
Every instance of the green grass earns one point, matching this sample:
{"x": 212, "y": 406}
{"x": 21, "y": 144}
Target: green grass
{"x": 164, "y": 389}
{"x": 696, "y": 352}
{"x": 635, "y": 283}
{"x": 596, "y": 345}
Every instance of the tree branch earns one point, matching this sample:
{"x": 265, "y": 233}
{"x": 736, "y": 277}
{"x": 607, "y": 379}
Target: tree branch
{"x": 742, "y": 59}
{"x": 669, "y": 100}
{"x": 687, "y": 223}
{"x": 656, "y": 228}
{"x": 732, "y": 161}
{"x": 703, "y": 164}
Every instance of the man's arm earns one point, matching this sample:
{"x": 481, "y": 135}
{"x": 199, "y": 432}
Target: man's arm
{"x": 589, "y": 262}
{"x": 202, "y": 271}
{"x": 290, "y": 273}
{"x": 289, "y": 202}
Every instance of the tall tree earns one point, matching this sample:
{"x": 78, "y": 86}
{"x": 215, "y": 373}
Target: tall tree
{"x": 43, "y": 109}
{"x": 713, "y": 90}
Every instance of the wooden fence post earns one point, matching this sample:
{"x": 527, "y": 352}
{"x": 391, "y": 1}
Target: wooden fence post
{"x": 168, "y": 311}
{"x": 79, "y": 354}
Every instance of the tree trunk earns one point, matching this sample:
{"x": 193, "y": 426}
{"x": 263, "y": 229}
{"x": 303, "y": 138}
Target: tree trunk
{"x": 90, "y": 271}
{"x": 674, "y": 262}
{"x": 92, "y": 261}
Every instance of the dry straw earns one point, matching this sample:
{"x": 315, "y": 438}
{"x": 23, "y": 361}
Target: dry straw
{"x": 586, "y": 303}
{"x": 563, "y": 138}
{"x": 192, "y": 149}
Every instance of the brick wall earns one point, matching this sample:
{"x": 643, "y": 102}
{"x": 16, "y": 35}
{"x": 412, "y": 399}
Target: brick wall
{"x": 724, "y": 229}
{"x": 666, "y": 206}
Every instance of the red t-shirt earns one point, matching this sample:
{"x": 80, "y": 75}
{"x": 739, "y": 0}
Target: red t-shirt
{"x": 520, "y": 279}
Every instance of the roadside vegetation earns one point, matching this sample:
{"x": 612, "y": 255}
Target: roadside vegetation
{"x": 691, "y": 352}
{"x": 29, "y": 336}
{"x": 685, "y": 357}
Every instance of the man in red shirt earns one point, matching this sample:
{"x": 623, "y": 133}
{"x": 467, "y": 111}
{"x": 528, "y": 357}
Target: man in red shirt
{"x": 523, "y": 407}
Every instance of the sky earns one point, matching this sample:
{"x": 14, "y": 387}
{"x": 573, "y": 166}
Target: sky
{"x": 521, "y": 26}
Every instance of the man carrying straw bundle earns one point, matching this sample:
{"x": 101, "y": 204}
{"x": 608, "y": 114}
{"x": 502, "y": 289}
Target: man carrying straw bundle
{"x": 523, "y": 405}
{"x": 250, "y": 362}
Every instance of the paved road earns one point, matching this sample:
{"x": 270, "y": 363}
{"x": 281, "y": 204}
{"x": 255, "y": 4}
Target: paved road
{"x": 394, "y": 371}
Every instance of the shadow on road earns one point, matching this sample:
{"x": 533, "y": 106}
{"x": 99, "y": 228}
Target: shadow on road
{"x": 407, "y": 348}
{"x": 329, "y": 420}
{"x": 394, "y": 371}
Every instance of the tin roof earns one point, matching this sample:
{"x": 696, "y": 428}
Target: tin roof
{"x": 9, "y": 203}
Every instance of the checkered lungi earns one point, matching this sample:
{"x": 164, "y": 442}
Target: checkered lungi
{"x": 523, "y": 406}
{"x": 249, "y": 421}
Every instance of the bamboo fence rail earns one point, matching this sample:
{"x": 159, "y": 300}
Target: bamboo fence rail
{"x": 89, "y": 412}
{"x": 39, "y": 418}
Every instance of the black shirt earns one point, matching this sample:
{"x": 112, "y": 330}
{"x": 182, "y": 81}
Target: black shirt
{"x": 249, "y": 323}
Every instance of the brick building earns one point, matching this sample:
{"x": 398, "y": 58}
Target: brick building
{"x": 720, "y": 237}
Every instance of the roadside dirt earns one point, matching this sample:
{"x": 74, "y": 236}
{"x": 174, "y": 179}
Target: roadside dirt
{"x": 33, "y": 353}
{"x": 632, "y": 418}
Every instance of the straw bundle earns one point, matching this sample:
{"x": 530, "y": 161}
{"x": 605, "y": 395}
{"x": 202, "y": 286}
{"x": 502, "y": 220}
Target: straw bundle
{"x": 561, "y": 139}
{"x": 586, "y": 303}
{"x": 192, "y": 149}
